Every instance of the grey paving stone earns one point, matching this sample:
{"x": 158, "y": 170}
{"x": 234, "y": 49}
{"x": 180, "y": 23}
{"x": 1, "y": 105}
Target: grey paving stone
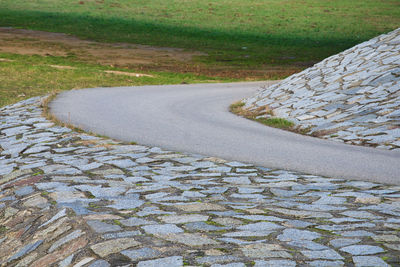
{"x": 192, "y": 194}
{"x": 263, "y": 250}
{"x": 295, "y": 235}
{"x": 343, "y": 242}
{"x": 345, "y": 219}
{"x": 238, "y": 241}
{"x": 323, "y": 263}
{"x": 307, "y": 244}
{"x": 126, "y": 163}
{"x": 100, "y": 263}
{"x": 217, "y": 259}
{"x": 151, "y": 211}
{"x": 25, "y": 250}
{"x": 36, "y": 149}
{"x": 233, "y": 264}
{"x": 75, "y": 234}
{"x": 124, "y": 203}
{"x": 327, "y": 254}
{"x": 175, "y": 261}
{"x": 260, "y": 226}
{"x": 259, "y": 218}
{"x": 141, "y": 254}
{"x": 360, "y": 214}
{"x": 89, "y": 166}
{"x": 23, "y": 191}
{"x": 237, "y": 164}
{"x": 189, "y": 239}
{"x": 357, "y": 233}
{"x": 133, "y": 221}
{"x": 285, "y": 193}
{"x": 330, "y": 200}
{"x": 36, "y": 201}
{"x": 204, "y": 227}
{"x": 99, "y": 191}
{"x": 79, "y": 207}
{"x": 237, "y": 180}
{"x": 121, "y": 234}
{"x": 162, "y": 229}
{"x": 247, "y": 190}
{"x": 109, "y": 247}
{"x": 362, "y": 249}
{"x": 369, "y": 261}
{"x": 275, "y": 263}
{"x": 393, "y": 246}
{"x": 178, "y": 219}
{"x": 298, "y": 224}
{"x": 386, "y": 238}
{"x": 101, "y": 227}
{"x": 248, "y": 234}
{"x": 66, "y": 262}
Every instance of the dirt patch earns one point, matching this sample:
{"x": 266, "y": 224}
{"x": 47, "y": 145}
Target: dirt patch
{"x": 6, "y": 60}
{"x": 128, "y": 73}
{"x": 29, "y": 42}
{"x": 125, "y": 55}
{"x": 62, "y": 67}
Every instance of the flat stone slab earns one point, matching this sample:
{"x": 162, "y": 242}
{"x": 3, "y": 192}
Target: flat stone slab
{"x": 189, "y": 239}
{"x": 113, "y": 246}
{"x": 162, "y": 229}
{"x": 175, "y": 261}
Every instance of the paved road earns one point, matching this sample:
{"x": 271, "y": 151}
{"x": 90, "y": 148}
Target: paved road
{"x": 195, "y": 118}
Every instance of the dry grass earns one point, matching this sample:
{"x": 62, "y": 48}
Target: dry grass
{"x": 238, "y": 109}
{"x": 128, "y": 56}
{"x": 269, "y": 120}
{"x": 26, "y": 76}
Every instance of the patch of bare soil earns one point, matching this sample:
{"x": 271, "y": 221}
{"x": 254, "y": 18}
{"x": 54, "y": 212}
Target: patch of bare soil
{"x": 29, "y": 42}
{"x": 123, "y": 55}
{"x": 128, "y": 73}
{"x": 62, "y": 67}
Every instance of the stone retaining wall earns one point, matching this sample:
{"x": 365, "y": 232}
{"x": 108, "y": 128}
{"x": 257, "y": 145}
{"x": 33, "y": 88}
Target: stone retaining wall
{"x": 353, "y": 96}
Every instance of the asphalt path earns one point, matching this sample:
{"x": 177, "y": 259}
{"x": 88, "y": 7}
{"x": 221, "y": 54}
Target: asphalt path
{"x": 196, "y": 119}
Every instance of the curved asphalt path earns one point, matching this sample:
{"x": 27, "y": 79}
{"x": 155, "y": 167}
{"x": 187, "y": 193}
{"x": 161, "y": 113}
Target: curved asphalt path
{"x": 195, "y": 118}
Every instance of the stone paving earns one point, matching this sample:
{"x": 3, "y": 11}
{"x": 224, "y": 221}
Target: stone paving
{"x": 71, "y": 199}
{"x": 353, "y": 97}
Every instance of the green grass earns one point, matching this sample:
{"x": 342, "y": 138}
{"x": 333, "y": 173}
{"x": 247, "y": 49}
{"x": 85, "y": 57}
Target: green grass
{"x": 281, "y": 123}
{"x": 3, "y": 229}
{"x": 233, "y": 33}
{"x": 276, "y": 122}
{"x": 28, "y": 76}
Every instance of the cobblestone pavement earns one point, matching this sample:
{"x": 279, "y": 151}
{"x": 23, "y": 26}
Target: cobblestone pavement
{"x": 353, "y": 96}
{"x": 71, "y": 199}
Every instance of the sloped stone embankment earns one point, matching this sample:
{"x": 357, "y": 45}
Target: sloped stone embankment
{"x": 353, "y": 96}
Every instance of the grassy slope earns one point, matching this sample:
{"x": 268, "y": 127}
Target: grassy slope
{"x": 28, "y": 76}
{"x": 273, "y": 32}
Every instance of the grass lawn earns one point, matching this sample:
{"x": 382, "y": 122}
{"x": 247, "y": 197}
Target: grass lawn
{"x": 24, "y": 76}
{"x": 244, "y": 33}
{"x": 233, "y": 39}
